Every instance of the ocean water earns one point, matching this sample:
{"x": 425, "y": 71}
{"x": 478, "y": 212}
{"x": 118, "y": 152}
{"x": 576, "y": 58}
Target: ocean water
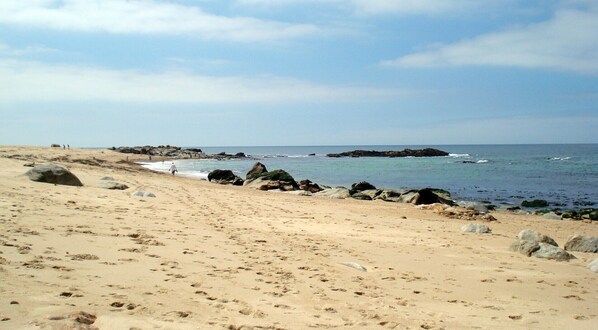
{"x": 564, "y": 175}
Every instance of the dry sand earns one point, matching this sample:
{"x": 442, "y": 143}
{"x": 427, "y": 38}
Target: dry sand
{"x": 205, "y": 256}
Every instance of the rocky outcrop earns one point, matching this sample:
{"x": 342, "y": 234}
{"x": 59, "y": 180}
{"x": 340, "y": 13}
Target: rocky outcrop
{"x": 427, "y": 152}
{"x": 582, "y": 244}
{"x": 389, "y": 195}
{"x": 225, "y": 177}
{"x": 51, "y": 173}
{"x": 176, "y": 152}
{"x": 257, "y": 170}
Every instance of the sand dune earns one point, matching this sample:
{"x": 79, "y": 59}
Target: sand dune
{"x": 205, "y": 256}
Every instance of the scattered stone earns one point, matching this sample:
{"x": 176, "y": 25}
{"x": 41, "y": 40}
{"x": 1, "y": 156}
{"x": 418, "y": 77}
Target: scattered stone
{"x": 582, "y": 244}
{"x": 474, "y": 206}
{"x": 113, "y": 185}
{"x": 367, "y": 195}
{"x": 117, "y": 304}
{"x": 107, "y": 178}
{"x": 476, "y": 228}
{"x": 356, "y": 266}
{"x": 426, "y": 196}
{"x": 51, "y": 173}
{"x": 389, "y": 195}
{"x": 143, "y": 194}
{"x": 593, "y": 266}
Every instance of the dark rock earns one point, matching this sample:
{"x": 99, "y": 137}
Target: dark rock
{"x": 257, "y": 170}
{"x": 361, "y": 186}
{"x": 427, "y": 196}
{"x": 535, "y": 203}
{"x": 582, "y": 244}
{"x": 277, "y": 179}
{"x": 307, "y": 185}
{"x": 225, "y": 177}
{"x": 240, "y": 155}
{"x": 428, "y": 152}
{"x": 51, "y": 173}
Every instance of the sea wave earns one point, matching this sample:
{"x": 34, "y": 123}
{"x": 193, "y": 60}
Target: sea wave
{"x": 482, "y": 161}
{"x": 560, "y": 158}
{"x": 459, "y": 155}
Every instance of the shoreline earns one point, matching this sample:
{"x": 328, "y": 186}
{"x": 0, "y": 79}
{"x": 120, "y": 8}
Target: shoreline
{"x": 203, "y": 255}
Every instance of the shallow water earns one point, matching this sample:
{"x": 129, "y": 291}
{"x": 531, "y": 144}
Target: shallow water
{"x": 565, "y": 175}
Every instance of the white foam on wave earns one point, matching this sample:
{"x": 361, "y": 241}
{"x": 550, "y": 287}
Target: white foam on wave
{"x": 459, "y": 155}
{"x": 560, "y": 158}
{"x": 482, "y": 161}
{"x": 195, "y": 175}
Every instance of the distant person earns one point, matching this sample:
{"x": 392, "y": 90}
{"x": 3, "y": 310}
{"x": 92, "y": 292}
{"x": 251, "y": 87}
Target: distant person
{"x": 173, "y": 168}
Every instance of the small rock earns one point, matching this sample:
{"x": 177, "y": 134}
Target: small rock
{"x": 476, "y": 228}
{"x": 534, "y": 236}
{"x": 112, "y": 185}
{"x": 143, "y": 194}
{"x": 593, "y": 266}
{"x": 552, "y": 216}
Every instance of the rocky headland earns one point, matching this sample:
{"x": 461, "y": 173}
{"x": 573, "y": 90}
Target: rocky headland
{"x": 427, "y": 152}
{"x": 173, "y": 152}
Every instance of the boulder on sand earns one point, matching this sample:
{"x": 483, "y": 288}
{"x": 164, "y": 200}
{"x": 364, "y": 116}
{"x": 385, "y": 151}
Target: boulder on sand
{"x": 339, "y": 193}
{"x": 277, "y": 179}
{"x": 532, "y": 243}
{"x": 225, "y": 177}
{"x": 476, "y": 228}
{"x": 593, "y": 266}
{"x": 361, "y": 186}
{"x": 52, "y": 173}
{"x": 307, "y": 185}
{"x": 582, "y": 244}
{"x": 426, "y": 196}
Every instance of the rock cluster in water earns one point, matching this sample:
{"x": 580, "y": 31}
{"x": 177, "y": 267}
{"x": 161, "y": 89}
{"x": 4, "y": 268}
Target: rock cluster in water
{"x": 427, "y": 152}
{"x": 176, "y": 152}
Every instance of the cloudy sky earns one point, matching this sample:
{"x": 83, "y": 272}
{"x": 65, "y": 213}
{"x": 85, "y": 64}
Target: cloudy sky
{"x": 97, "y": 73}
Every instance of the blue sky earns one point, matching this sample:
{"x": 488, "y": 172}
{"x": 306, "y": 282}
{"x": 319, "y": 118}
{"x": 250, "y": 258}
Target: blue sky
{"x": 297, "y": 72}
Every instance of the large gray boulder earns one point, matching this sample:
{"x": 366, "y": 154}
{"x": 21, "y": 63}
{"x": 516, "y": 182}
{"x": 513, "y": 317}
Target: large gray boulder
{"x": 534, "y": 236}
{"x": 339, "y": 193}
{"x": 534, "y": 244}
{"x": 582, "y": 244}
{"x": 593, "y": 266}
{"x": 547, "y": 251}
{"x": 51, "y": 173}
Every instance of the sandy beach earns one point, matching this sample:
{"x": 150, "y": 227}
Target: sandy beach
{"x": 206, "y": 256}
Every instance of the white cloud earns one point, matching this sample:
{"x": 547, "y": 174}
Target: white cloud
{"x": 567, "y": 42}
{"x": 22, "y": 81}
{"x": 416, "y": 6}
{"x": 144, "y": 17}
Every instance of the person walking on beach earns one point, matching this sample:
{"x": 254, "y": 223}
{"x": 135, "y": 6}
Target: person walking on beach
{"x": 173, "y": 168}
